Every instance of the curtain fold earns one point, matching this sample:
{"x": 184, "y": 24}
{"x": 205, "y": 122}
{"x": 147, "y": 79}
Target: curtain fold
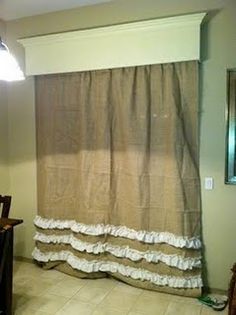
{"x": 118, "y": 182}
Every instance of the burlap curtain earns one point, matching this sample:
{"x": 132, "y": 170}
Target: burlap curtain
{"x": 118, "y": 184}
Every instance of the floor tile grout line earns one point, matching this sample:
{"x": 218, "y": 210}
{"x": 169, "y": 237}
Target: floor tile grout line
{"x": 130, "y": 309}
{"x": 91, "y": 302}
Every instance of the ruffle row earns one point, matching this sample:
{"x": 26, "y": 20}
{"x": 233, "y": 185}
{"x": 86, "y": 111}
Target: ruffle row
{"x": 113, "y": 267}
{"x": 120, "y": 231}
{"x": 121, "y": 251}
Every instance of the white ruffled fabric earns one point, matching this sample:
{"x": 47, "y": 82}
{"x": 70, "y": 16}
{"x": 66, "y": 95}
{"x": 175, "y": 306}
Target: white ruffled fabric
{"x": 113, "y": 267}
{"x": 120, "y": 251}
{"x": 120, "y": 231}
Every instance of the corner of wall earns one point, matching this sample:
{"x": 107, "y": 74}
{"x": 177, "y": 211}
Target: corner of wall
{"x": 4, "y": 155}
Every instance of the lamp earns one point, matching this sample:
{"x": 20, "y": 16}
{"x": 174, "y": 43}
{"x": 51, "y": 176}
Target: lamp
{"x": 9, "y": 68}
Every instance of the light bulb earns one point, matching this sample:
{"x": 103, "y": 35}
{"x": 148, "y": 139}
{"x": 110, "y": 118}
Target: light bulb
{"x": 9, "y": 68}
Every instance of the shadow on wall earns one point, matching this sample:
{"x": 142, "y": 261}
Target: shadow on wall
{"x": 4, "y": 171}
{"x": 21, "y": 121}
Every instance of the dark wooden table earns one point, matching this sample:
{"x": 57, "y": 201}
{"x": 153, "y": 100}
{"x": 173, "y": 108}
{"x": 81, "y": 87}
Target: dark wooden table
{"x": 7, "y": 265}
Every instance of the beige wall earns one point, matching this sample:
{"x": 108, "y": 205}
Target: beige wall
{"x": 4, "y": 169}
{"x": 219, "y": 51}
{"x": 219, "y": 210}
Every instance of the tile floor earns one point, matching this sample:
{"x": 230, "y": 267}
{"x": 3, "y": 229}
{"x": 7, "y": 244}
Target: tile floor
{"x": 41, "y": 292}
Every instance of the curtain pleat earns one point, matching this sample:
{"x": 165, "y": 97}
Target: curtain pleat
{"x": 118, "y": 182}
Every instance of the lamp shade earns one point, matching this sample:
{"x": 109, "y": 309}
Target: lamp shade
{"x": 9, "y": 68}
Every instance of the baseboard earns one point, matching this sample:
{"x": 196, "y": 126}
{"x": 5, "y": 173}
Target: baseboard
{"x": 23, "y": 259}
{"x": 217, "y": 291}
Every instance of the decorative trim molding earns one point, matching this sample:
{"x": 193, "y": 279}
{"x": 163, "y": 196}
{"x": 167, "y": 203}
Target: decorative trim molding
{"x": 155, "y": 41}
{"x": 113, "y": 267}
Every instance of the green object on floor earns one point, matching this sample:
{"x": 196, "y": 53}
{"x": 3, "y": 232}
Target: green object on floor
{"x": 218, "y": 304}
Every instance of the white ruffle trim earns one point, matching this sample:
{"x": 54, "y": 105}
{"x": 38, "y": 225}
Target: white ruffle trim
{"x": 113, "y": 267}
{"x": 120, "y": 251}
{"x": 120, "y": 231}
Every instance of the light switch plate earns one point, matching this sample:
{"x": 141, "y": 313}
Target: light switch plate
{"x": 208, "y": 183}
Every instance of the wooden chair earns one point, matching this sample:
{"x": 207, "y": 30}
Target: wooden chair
{"x": 5, "y": 204}
{"x": 5, "y": 281}
{"x": 6, "y": 263}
